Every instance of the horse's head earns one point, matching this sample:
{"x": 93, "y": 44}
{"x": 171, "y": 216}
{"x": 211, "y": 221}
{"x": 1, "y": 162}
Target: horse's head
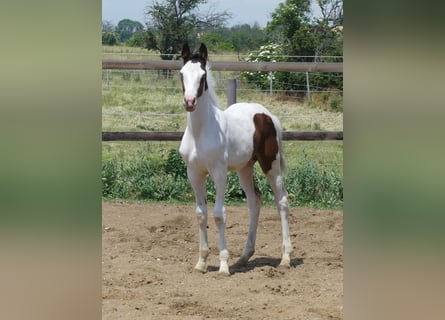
{"x": 193, "y": 75}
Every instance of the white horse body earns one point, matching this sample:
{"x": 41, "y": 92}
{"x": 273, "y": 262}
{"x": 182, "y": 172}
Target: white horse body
{"x": 240, "y": 132}
{"x": 216, "y": 141}
{"x": 228, "y": 137}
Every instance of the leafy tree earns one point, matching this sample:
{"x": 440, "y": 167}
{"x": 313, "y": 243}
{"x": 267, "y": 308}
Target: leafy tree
{"x": 137, "y": 40}
{"x": 241, "y": 40}
{"x": 126, "y": 28}
{"x": 215, "y": 42}
{"x": 238, "y": 38}
{"x": 110, "y": 38}
{"x": 287, "y": 18}
{"x": 331, "y": 11}
{"x": 290, "y": 27}
{"x": 329, "y": 28}
{"x": 247, "y": 38}
{"x": 171, "y": 23}
{"x": 108, "y": 26}
{"x": 292, "y": 33}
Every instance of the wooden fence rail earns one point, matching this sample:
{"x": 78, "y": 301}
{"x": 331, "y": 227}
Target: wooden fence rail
{"x": 225, "y": 66}
{"x": 177, "y": 136}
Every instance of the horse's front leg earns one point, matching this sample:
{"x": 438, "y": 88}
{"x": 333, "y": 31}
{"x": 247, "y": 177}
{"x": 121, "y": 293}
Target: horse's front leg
{"x": 219, "y": 176}
{"x": 198, "y": 182}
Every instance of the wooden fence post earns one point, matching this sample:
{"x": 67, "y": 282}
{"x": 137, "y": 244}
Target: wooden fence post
{"x": 231, "y": 92}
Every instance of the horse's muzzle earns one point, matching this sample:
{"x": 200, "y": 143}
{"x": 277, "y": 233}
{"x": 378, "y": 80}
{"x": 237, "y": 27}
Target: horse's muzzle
{"x": 189, "y": 104}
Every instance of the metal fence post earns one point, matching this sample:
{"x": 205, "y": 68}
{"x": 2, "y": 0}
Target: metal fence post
{"x": 108, "y": 79}
{"x": 270, "y": 82}
{"x": 308, "y": 86}
{"x": 231, "y": 92}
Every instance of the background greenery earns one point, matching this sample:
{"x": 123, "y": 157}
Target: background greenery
{"x": 147, "y": 101}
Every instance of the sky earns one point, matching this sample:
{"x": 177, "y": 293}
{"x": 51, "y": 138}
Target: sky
{"x": 244, "y": 11}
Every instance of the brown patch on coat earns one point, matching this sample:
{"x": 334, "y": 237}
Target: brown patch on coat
{"x": 265, "y": 145}
{"x": 202, "y": 85}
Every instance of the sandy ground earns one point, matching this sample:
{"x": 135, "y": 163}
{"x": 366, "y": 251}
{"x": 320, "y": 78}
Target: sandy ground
{"x": 149, "y": 251}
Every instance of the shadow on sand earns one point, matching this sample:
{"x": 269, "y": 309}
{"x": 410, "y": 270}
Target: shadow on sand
{"x": 258, "y": 263}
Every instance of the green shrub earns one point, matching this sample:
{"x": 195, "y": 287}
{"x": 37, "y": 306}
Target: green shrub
{"x": 174, "y": 165}
{"x": 126, "y": 75}
{"x": 308, "y": 185}
{"x": 336, "y": 103}
{"x": 166, "y": 180}
{"x": 110, "y": 38}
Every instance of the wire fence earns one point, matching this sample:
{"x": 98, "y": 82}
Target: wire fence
{"x": 167, "y": 83}
{"x": 125, "y": 54}
{"x": 159, "y": 79}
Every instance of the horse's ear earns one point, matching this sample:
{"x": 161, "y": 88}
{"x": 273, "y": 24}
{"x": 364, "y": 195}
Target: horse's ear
{"x": 203, "y": 51}
{"x": 185, "y": 54}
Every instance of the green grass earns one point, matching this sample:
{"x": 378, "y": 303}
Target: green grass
{"x": 163, "y": 177}
{"x": 146, "y": 101}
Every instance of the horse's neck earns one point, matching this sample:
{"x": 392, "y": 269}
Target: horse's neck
{"x": 204, "y": 116}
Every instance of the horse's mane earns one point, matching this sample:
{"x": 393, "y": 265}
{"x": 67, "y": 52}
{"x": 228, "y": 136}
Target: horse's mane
{"x": 211, "y": 83}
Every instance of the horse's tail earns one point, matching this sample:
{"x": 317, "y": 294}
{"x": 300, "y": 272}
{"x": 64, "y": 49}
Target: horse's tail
{"x": 283, "y": 164}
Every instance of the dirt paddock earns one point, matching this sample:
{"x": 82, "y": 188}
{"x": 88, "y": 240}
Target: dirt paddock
{"x": 149, "y": 250}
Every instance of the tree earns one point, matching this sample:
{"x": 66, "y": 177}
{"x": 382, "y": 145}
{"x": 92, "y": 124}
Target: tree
{"x": 328, "y": 29}
{"x": 215, "y": 43}
{"x": 108, "y": 26}
{"x": 331, "y": 11}
{"x": 287, "y": 19}
{"x": 246, "y": 38}
{"x": 109, "y": 38}
{"x": 126, "y": 28}
{"x": 171, "y": 23}
{"x": 290, "y": 27}
{"x": 295, "y": 35}
{"x": 238, "y": 38}
{"x": 137, "y": 40}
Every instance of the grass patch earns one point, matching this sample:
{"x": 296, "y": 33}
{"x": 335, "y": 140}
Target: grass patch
{"x": 163, "y": 177}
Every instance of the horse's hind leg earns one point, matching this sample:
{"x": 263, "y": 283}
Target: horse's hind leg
{"x": 253, "y": 195}
{"x": 267, "y": 151}
{"x": 198, "y": 182}
{"x": 276, "y": 181}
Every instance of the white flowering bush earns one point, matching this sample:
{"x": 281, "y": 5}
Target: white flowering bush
{"x": 267, "y": 53}
{"x": 293, "y": 81}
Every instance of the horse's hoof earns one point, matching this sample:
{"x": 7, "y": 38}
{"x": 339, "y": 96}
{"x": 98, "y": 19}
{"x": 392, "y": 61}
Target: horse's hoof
{"x": 201, "y": 268}
{"x": 224, "y": 269}
{"x": 242, "y": 261}
{"x": 223, "y": 274}
{"x": 284, "y": 265}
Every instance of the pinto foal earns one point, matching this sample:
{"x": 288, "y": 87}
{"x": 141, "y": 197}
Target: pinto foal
{"x": 216, "y": 141}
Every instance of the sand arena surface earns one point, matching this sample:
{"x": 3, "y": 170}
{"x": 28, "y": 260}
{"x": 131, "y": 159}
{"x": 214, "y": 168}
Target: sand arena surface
{"x": 149, "y": 251}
